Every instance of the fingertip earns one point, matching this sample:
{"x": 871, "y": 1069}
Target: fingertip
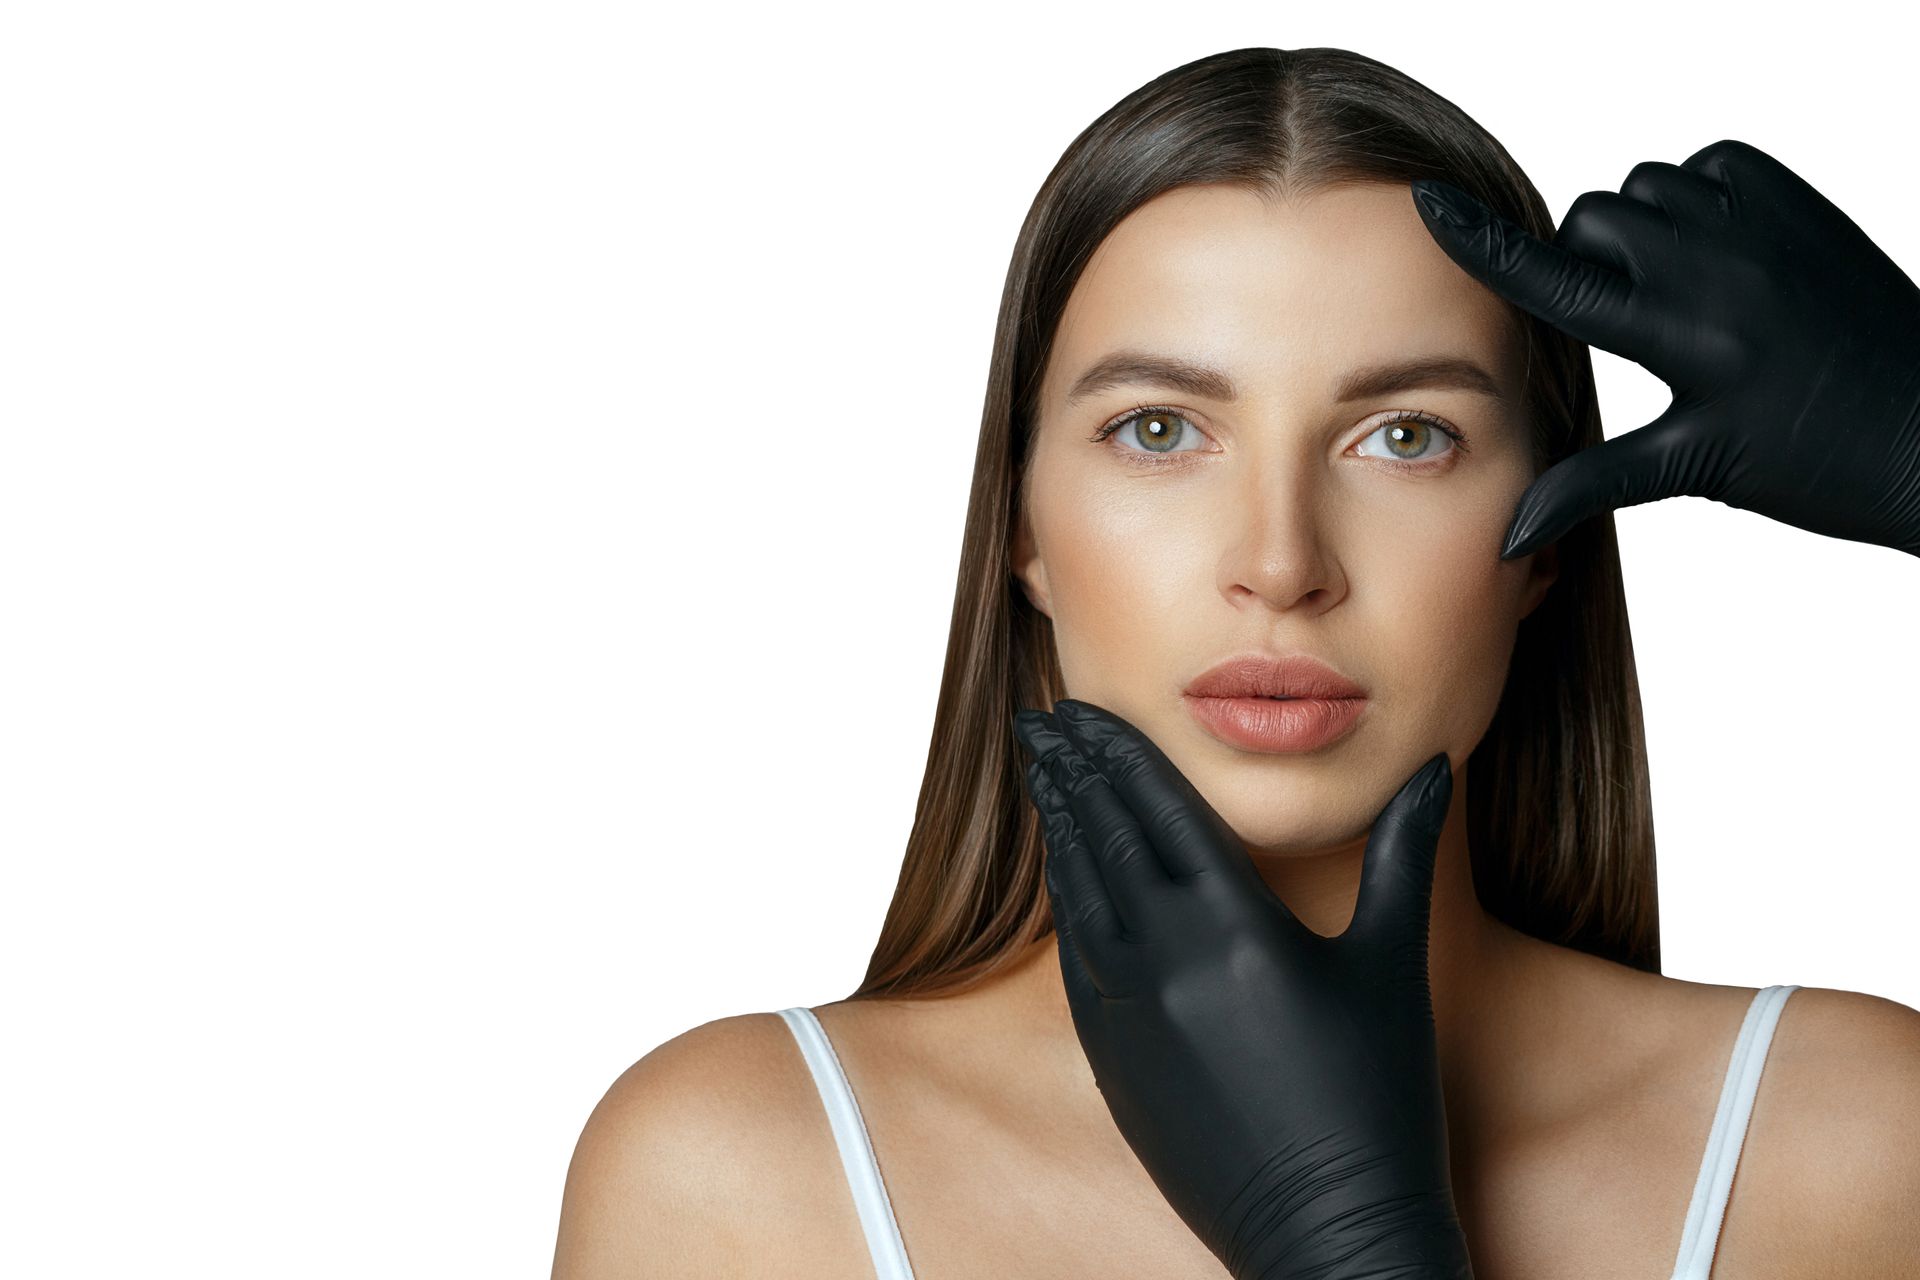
{"x": 1093, "y": 734}
{"x": 1046, "y": 802}
{"x": 1425, "y": 797}
{"x": 1075, "y": 741}
{"x": 1448, "y": 205}
{"x": 1040, "y": 733}
{"x": 1417, "y": 791}
{"x": 1082, "y": 721}
{"x": 1522, "y": 534}
{"x": 1101, "y": 734}
{"x": 1069, "y": 716}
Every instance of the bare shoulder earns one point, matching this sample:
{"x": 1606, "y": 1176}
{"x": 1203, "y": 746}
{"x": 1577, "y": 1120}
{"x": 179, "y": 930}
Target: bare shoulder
{"x": 695, "y": 1153}
{"x": 1834, "y": 1150}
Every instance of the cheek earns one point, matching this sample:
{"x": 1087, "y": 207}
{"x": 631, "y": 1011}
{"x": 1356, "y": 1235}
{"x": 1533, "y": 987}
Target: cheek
{"x": 1440, "y": 595}
{"x": 1450, "y": 608}
{"x": 1121, "y": 570}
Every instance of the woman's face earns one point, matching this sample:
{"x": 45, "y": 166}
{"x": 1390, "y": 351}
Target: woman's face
{"x": 1277, "y": 515}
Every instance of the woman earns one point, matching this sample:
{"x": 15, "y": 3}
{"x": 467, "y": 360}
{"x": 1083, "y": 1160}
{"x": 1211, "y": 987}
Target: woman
{"x": 1241, "y": 405}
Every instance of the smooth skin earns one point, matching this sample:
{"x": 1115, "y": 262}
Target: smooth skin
{"x": 1579, "y": 1093}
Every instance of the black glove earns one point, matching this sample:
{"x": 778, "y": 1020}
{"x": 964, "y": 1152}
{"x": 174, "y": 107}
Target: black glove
{"x": 1790, "y": 341}
{"x": 1282, "y": 1089}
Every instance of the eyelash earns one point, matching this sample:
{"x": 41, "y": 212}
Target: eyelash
{"x": 1453, "y": 433}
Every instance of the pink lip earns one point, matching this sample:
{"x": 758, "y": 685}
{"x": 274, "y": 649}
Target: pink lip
{"x": 1277, "y": 725}
{"x": 1297, "y": 675}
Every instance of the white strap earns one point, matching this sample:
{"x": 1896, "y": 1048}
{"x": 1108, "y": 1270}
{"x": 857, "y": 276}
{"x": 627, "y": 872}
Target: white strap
{"x": 1701, "y": 1238}
{"x": 889, "y": 1251}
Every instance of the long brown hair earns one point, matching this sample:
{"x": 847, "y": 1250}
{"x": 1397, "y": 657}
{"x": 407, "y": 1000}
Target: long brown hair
{"x": 1559, "y": 814}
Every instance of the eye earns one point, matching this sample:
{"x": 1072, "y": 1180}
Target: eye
{"x": 1156, "y": 428}
{"x": 1410, "y": 435}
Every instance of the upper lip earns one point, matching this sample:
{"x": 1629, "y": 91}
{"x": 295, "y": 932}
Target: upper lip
{"x": 1255, "y": 675}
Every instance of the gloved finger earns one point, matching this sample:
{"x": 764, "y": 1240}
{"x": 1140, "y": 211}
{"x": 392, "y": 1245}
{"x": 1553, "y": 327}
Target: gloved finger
{"x": 1128, "y": 864}
{"x": 1687, "y": 195}
{"x": 1083, "y": 994}
{"x": 1616, "y": 232}
{"x": 1188, "y": 833}
{"x": 1588, "y": 300}
{"x": 1739, "y": 168}
{"x": 1396, "y": 873}
{"x": 1644, "y": 465}
{"x": 1082, "y": 910}
{"x": 1070, "y": 871}
{"x": 1762, "y": 189}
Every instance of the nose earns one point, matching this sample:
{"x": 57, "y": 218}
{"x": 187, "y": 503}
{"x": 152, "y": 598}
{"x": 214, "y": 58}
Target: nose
{"x": 1279, "y": 538}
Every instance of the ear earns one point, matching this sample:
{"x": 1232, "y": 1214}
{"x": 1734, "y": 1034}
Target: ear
{"x": 1541, "y": 574}
{"x": 1027, "y": 565}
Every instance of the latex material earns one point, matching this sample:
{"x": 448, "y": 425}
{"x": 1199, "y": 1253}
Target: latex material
{"x": 1281, "y": 1088}
{"x": 1790, "y": 341}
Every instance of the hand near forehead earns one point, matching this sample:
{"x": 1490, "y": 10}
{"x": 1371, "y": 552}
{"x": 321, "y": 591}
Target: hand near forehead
{"x": 1281, "y": 1088}
{"x": 1791, "y": 344}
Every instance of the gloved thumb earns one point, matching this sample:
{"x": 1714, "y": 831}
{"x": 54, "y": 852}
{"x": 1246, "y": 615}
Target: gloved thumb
{"x": 1646, "y": 465}
{"x": 1396, "y": 878}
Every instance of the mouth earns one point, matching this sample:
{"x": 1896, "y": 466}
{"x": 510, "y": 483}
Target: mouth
{"x": 1275, "y": 697}
{"x": 1270, "y": 724}
{"x": 1298, "y": 677}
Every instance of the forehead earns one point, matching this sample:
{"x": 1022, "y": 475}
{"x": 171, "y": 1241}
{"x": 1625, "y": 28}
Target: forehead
{"x": 1285, "y": 296}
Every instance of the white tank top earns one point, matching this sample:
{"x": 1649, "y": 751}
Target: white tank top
{"x": 1698, "y": 1241}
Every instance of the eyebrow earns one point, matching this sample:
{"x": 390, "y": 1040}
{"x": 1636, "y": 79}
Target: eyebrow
{"x": 1139, "y": 368}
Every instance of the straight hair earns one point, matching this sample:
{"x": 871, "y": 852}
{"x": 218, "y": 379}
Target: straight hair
{"x": 1559, "y": 812}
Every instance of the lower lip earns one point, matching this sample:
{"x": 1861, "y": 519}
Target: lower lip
{"x": 1277, "y": 724}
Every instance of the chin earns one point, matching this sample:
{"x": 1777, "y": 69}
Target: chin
{"x": 1270, "y": 839}
{"x": 1296, "y": 825}
{"x": 1277, "y": 808}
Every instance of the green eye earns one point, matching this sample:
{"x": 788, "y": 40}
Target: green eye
{"x": 1410, "y": 436}
{"x": 1154, "y": 429}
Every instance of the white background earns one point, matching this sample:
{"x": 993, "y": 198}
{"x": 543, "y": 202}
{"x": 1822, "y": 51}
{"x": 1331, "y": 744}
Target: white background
{"x": 481, "y": 499}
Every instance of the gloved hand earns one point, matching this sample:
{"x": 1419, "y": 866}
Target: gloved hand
{"x": 1790, "y": 341}
{"x": 1281, "y": 1088}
